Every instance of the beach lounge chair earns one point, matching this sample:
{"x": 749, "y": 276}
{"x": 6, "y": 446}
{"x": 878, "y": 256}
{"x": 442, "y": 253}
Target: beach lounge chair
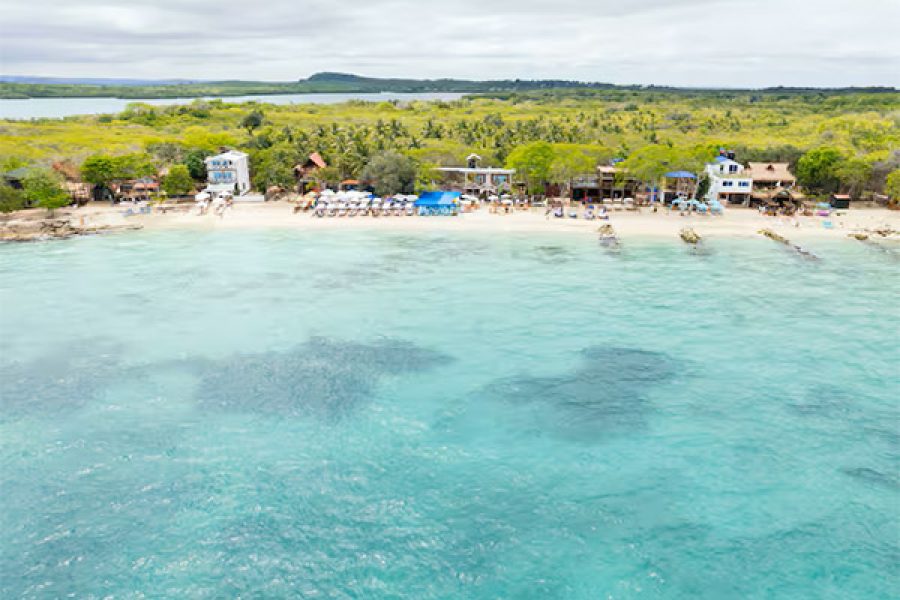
{"x": 589, "y": 213}
{"x": 558, "y": 213}
{"x": 410, "y": 208}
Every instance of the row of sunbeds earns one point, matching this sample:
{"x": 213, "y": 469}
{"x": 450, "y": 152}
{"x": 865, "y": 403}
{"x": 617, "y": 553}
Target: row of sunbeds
{"x": 363, "y": 207}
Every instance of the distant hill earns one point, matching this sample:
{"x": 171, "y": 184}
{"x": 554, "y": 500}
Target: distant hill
{"x": 50, "y": 87}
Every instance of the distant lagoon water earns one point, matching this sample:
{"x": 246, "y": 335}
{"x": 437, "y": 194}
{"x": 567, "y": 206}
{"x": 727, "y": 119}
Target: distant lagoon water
{"x": 57, "y": 108}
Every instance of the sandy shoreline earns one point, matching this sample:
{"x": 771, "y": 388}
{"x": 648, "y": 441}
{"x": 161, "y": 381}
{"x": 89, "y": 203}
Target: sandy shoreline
{"x": 735, "y": 223}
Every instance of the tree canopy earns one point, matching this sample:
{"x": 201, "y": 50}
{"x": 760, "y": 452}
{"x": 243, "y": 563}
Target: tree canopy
{"x": 103, "y": 169}
{"x": 11, "y": 199}
{"x": 817, "y": 169}
{"x": 510, "y": 128}
{"x": 533, "y": 163}
{"x": 43, "y": 188}
{"x": 178, "y": 181}
{"x": 390, "y": 173}
{"x": 252, "y": 121}
{"x": 892, "y": 187}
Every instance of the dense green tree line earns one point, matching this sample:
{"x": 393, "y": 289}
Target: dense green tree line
{"x": 846, "y": 141}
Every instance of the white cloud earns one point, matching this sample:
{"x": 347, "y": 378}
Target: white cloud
{"x": 677, "y": 42}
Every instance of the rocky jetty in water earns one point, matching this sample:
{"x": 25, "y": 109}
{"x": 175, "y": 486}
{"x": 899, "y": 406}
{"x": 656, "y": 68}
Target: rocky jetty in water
{"x": 689, "y": 236}
{"x": 31, "y": 229}
{"x": 783, "y": 240}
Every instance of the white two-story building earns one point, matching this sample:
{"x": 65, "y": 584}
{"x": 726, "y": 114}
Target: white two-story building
{"x": 477, "y": 180}
{"x": 228, "y": 172}
{"x": 728, "y": 182}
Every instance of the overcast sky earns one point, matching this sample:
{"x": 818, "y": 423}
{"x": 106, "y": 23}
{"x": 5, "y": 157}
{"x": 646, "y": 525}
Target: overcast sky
{"x": 678, "y": 42}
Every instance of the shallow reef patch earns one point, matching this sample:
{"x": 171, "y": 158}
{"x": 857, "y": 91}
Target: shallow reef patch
{"x": 606, "y": 393}
{"x": 321, "y": 378}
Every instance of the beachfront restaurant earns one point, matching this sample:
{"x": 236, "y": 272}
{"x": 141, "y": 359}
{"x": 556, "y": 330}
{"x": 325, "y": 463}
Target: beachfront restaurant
{"x": 477, "y": 180}
{"x": 677, "y": 184}
{"x": 778, "y": 198}
{"x": 608, "y": 182}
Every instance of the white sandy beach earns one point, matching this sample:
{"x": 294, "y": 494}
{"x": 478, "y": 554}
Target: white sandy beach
{"x": 737, "y": 222}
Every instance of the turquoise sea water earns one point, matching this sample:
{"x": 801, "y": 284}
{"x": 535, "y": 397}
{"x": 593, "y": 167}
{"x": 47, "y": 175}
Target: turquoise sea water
{"x": 384, "y": 415}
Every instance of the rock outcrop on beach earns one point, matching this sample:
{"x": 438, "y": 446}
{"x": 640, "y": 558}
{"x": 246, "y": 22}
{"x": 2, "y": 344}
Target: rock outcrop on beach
{"x": 689, "y": 236}
{"x": 52, "y": 228}
{"x": 608, "y": 236}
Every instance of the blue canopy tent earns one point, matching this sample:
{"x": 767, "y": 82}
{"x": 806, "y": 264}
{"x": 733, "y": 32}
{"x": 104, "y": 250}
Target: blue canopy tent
{"x": 438, "y": 203}
{"x": 680, "y": 175}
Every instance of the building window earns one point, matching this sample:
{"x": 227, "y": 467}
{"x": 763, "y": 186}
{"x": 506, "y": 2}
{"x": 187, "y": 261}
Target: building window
{"x": 744, "y": 184}
{"x": 727, "y": 183}
{"x": 732, "y": 168}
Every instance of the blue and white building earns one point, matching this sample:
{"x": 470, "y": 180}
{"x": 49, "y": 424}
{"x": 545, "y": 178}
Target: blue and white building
{"x": 228, "y": 172}
{"x": 727, "y": 181}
